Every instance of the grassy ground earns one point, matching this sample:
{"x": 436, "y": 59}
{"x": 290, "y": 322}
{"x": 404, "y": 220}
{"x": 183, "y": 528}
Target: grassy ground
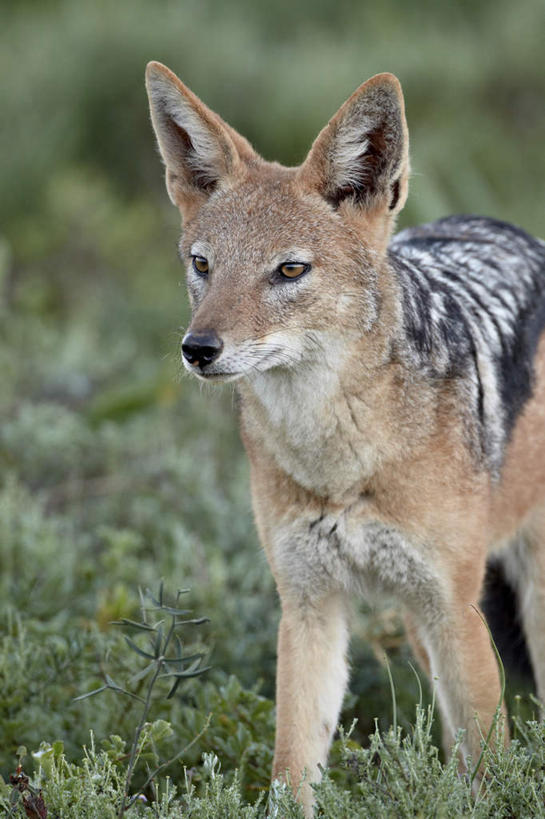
{"x": 115, "y": 472}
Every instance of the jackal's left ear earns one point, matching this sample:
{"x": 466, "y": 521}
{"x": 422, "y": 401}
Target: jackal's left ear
{"x": 361, "y": 156}
{"x": 199, "y": 149}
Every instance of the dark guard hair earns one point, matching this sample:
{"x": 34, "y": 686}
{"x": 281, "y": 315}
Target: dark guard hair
{"x": 473, "y": 293}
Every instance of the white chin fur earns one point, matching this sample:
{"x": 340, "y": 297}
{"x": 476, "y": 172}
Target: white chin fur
{"x": 219, "y": 378}
{"x": 209, "y": 375}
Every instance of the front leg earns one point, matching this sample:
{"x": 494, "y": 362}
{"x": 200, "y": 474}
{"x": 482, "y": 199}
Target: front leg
{"x": 303, "y": 548}
{"x": 312, "y": 675}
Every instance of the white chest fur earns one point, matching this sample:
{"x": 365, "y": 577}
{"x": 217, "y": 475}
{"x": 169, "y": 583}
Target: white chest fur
{"x": 309, "y": 425}
{"x": 350, "y": 551}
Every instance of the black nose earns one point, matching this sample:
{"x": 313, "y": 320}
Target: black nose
{"x": 201, "y": 348}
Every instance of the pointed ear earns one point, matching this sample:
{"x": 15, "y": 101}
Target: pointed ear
{"x": 198, "y": 148}
{"x": 361, "y": 156}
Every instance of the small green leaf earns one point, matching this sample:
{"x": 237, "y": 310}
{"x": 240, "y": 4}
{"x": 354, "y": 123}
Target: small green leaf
{"x": 186, "y": 674}
{"x": 159, "y": 602}
{"x": 138, "y": 650}
{"x": 188, "y": 659}
{"x": 158, "y": 641}
{"x": 143, "y": 673}
{"x": 91, "y": 693}
{"x": 132, "y": 624}
{"x": 174, "y": 688}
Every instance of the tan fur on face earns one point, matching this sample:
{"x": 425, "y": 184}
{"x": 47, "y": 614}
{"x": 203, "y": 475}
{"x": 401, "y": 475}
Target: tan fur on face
{"x": 368, "y": 474}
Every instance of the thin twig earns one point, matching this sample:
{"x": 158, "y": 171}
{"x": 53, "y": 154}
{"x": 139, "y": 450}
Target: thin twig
{"x": 164, "y": 765}
{"x": 138, "y": 732}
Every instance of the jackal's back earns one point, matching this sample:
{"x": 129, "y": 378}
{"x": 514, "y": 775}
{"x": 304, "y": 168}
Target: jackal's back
{"x": 473, "y": 303}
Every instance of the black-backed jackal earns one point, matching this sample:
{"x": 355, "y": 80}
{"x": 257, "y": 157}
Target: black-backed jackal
{"x": 392, "y": 398}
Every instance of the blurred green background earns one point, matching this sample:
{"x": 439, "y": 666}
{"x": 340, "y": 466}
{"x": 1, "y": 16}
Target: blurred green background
{"x": 115, "y": 472}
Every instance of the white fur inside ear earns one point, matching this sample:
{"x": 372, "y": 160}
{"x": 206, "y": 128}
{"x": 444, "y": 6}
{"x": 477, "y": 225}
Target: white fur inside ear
{"x": 205, "y": 158}
{"x": 350, "y": 146}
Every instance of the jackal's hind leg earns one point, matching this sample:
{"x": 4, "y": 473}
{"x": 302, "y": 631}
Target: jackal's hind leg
{"x": 464, "y": 669}
{"x": 419, "y": 650}
{"x": 531, "y": 589}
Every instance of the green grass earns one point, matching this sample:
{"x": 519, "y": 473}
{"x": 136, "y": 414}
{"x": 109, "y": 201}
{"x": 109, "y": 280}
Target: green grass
{"x": 116, "y": 472}
{"x": 398, "y": 775}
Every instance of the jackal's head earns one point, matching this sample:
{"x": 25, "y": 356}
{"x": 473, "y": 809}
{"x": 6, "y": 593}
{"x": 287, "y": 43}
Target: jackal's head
{"x": 283, "y": 264}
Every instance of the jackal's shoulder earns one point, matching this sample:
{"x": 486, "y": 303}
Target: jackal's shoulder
{"x": 473, "y": 306}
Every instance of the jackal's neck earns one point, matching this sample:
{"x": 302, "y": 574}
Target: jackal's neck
{"x": 329, "y": 423}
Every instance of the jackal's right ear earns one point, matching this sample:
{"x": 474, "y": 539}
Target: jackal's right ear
{"x": 361, "y": 156}
{"x": 198, "y": 148}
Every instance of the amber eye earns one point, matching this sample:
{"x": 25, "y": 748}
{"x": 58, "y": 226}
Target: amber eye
{"x": 200, "y": 265}
{"x": 292, "y": 270}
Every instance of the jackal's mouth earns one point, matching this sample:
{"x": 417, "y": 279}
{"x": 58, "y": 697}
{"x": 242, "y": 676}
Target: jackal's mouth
{"x": 212, "y": 372}
{"x": 220, "y": 377}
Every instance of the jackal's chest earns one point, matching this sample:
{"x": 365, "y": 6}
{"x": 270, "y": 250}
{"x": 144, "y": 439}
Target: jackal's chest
{"x": 321, "y": 459}
{"x": 351, "y": 550}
